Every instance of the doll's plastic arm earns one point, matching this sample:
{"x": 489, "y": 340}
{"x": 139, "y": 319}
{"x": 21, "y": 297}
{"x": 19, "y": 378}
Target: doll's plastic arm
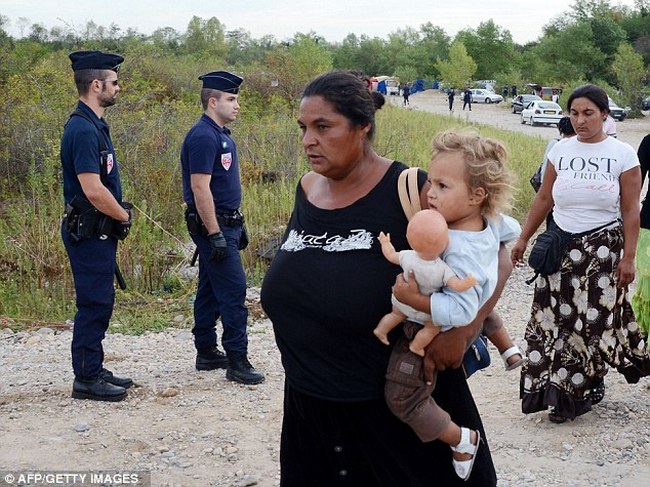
{"x": 462, "y": 285}
{"x": 388, "y": 249}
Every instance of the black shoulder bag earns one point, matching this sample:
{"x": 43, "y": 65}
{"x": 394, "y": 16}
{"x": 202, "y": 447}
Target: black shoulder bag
{"x": 545, "y": 257}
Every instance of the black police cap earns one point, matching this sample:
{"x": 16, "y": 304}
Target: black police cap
{"x": 222, "y": 81}
{"x": 95, "y": 60}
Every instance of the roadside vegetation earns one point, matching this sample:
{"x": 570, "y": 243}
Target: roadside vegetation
{"x": 159, "y": 103}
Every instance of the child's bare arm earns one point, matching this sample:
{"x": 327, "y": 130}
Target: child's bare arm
{"x": 462, "y": 285}
{"x": 387, "y": 248}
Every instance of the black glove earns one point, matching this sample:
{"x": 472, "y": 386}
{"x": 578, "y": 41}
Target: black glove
{"x": 121, "y": 229}
{"x": 217, "y": 246}
{"x": 129, "y": 209}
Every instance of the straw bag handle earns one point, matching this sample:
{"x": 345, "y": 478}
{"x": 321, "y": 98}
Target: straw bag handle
{"x": 409, "y": 194}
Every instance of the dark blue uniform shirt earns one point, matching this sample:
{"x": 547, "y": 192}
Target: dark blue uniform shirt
{"x": 209, "y": 149}
{"x": 80, "y": 147}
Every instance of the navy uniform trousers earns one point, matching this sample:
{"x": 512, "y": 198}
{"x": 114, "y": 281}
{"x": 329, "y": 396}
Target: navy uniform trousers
{"x": 93, "y": 268}
{"x": 221, "y": 294}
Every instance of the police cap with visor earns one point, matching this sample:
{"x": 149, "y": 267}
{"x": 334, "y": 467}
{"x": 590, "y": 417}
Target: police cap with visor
{"x": 95, "y": 60}
{"x": 222, "y": 81}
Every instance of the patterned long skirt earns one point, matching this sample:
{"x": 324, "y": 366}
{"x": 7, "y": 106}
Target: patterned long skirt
{"x": 641, "y": 299}
{"x": 580, "y": 323}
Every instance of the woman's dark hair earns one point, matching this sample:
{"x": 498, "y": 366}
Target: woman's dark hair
{"x": 348, "y": 94}
{"x": 594, "y": 93}
{"x": 565, "y": 127}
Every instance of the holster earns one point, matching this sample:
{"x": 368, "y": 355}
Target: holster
{"x": 224, "y": 218}
{"x": 83, "y": 220}
{"x": 230, "y": 218}
{"x": 194, "y": 222}
{"x": 235, "y": 219}
{"x": 243, "y": 240}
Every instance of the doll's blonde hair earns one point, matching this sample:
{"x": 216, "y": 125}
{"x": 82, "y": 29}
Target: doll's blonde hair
{"x": 485, "y": 167}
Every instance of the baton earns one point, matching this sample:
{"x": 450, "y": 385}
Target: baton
{"x": 120, "y": 279}
{"x": 194, "y": 257}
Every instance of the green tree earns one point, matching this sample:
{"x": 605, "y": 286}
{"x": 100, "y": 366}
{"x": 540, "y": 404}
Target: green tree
{"x": 631, "y": 75}
{"x": 205, "y": 38}
{"x": 568, "y": 54}
{"x": 293, "y": 66}
{"x": 364, "y": 54}
{"x": 167, "y": 38}
{"x": 490, "y": 46}
{"x": 435, "y": 43}
{"x": 459, "y": 68}
{"x": 407, "y": 73}
{"x": 371, "y": 58}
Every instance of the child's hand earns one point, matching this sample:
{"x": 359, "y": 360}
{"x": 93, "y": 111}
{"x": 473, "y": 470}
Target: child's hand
{"x": 384, "y": 238}
{"x": 471, "y": 279}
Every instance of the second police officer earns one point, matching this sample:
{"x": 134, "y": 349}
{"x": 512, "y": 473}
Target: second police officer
{"x": 212, "y": 192}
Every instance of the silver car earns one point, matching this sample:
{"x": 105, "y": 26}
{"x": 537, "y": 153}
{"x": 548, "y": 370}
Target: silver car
{"x": 485, "y": 96}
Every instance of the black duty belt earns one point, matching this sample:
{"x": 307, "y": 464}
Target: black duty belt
{"x": 233, "y": 218}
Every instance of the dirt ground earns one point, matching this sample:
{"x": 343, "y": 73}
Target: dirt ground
{"x": 189, "y": 428}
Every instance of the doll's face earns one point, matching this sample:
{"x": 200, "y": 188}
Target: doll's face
{"x": 427, "y": 233}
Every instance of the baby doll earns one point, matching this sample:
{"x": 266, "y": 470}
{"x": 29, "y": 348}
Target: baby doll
{"x": 427, "y": 234}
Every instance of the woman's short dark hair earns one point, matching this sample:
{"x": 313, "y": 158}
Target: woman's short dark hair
{"x": 348, "y": 94}
{"x": 594, "y": 93}
{"x": 565, "y": 127}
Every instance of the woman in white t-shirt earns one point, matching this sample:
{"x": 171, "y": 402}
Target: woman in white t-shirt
{"x": 581, "y": 318}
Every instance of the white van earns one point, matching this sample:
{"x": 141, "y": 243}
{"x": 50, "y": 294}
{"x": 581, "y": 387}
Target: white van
{"x": 391, "y": 83}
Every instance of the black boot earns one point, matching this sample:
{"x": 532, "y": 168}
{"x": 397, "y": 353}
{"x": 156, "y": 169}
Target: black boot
{"x": 97, "y": 389}
{"x": 210, "y": 359}
{"x": 108, "y": 376}
{"x": 240, "y": 370}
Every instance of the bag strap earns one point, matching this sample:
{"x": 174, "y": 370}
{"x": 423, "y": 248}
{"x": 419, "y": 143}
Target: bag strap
{"x": 103, "y": 149}
{"x": 409, "y": 194}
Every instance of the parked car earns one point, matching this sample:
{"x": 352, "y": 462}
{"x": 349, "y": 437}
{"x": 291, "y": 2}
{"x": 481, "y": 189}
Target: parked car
{"x": 645, "y": 104}
{"x": 485, "y": 96}
{"x": 541, "y": 111}
{"x": 616, "y": 112}
{"x": 520, "y": 102}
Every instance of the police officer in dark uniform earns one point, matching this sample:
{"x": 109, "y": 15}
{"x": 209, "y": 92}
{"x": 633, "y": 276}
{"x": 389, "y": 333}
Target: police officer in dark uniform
{"x": 95, "y": 219}
{"x": 212, "y": 192}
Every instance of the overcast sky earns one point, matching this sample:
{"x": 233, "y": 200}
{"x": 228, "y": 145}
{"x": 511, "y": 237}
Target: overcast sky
{"x": 331, "y": 19}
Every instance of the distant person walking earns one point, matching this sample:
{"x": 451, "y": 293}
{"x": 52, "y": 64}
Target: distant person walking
{"x": 450, "y": 98}
{"x": 467, "y": 99}
{"x": 609, "y": 126}
{"x": 406, "y": 91}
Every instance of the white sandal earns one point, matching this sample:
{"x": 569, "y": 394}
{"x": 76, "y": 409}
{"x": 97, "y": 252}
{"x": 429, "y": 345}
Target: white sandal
{"x": 514, "y": 350}
{"x": 463, "y": 468}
